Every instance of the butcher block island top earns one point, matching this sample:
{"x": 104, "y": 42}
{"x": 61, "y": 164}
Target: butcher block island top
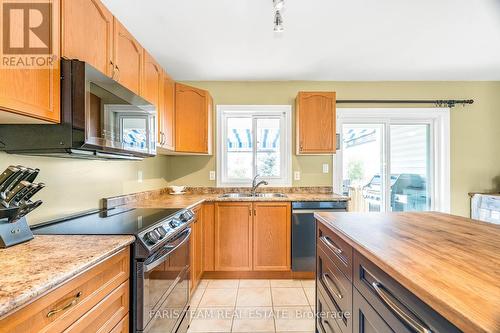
{"x": 451, "y": 263}
{"x": 32, "y": 269}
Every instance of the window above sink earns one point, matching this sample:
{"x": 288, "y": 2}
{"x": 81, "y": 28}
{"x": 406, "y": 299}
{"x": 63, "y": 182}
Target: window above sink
{"x": 254, "y": 139}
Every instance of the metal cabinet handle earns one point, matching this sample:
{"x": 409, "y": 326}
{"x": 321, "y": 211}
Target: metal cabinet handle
{"x": 406, "y": 316}
{"x": 118, "y": 70}
{"x": 73, "y": 302}
{"x": 113, "y": 69}
{"x": 331, "y": 288}
{"x": 329, "y": 325}
{"x": 331, "y": 244}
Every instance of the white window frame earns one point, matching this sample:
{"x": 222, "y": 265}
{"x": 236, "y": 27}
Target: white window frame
{"x": 438, "y": 120}
{"x": 262, "y": 111}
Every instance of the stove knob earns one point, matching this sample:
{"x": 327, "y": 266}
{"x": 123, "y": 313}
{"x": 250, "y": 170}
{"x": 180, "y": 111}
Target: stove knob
{"x": 161, "y": 230}
{"x": 174, "y": 223}
{"x": 183, "y": 217}
{"x": 151, "y": 237}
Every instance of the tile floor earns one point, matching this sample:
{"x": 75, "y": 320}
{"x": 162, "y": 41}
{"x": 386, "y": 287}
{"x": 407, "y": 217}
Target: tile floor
{"x": 246, "y": 306}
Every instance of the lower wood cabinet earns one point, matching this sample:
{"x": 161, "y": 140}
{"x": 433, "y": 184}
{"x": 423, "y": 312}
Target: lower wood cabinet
{"x": 271, "y": 236}
{"x": 94, "y": 301}
{"x": 233, "y": 236}
{"x": 196, "y": 248}
{"x": 252, "y": 236}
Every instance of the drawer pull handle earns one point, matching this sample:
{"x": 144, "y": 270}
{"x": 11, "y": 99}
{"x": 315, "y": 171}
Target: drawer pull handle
{"x": 335, "y": 290}
{"x": 405, "y": 315}
{"x": 331, "y": 244}
{"x": 73, "y": 302}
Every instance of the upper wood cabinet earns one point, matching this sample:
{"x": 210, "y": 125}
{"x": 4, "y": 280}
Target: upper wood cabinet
{"x": 316, "y": 123}
{"x": 271, "y": 236}
{"x": 87, "y": 34}
{"x": 128, "y": 55}
{"x": 166, "y": 114}
{"x": 33, "y": 95}
{"x": 152, "y": 88}
{"x": 193, "y": 120}
{"x": 233, "y": 236}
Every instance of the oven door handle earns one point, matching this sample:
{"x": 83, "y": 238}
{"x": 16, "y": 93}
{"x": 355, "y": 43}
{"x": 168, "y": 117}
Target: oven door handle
{"x": 183, "y": 238}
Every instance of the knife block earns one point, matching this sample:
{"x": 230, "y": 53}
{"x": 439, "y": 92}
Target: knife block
{"x": 12, "y": 233}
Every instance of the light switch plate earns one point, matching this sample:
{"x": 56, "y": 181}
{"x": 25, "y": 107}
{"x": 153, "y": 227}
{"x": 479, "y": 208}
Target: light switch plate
{"x": 296, "y": 175}
{"x": 212, "y": 175}
{"x": 325, "y": 167}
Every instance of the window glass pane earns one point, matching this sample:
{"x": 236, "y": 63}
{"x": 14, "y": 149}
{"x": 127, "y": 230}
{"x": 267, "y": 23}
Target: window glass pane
{"x": 410, "y": 167}
{"x": 363, "y": 178}
{"x": 268, "y": 147}
{"x": 239, "y": 148}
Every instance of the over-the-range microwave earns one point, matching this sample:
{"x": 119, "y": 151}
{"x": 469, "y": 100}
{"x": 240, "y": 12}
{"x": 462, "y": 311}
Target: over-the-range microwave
{"x": 100, "y": 119}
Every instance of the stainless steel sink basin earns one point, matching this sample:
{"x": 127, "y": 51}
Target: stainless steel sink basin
{"x": 236, "y": 195}
{"x": 270, "y": 195}
{"x": 249, "y": 195}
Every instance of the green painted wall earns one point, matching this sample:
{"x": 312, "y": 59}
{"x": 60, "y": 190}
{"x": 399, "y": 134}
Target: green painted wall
{"x": 475, "y": 129}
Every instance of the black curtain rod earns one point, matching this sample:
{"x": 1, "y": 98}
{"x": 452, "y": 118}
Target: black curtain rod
{"x": 440, "y": 102}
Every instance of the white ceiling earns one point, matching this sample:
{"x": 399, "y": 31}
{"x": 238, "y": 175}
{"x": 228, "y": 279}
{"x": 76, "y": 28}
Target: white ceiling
{"x": 323, "y": 39}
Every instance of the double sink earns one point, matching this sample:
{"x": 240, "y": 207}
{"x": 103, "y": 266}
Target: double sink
{"x": 256, "y": 195}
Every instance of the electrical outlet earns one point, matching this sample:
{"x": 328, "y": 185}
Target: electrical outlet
{"x": 212, "y": 175}
{"x": 139, "y": 176}
{"x": 325, "y": 167}
{"x": 296, "y": 175}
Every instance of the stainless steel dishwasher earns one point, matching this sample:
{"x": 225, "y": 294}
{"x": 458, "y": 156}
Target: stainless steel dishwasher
{"x": 304, "y": 231}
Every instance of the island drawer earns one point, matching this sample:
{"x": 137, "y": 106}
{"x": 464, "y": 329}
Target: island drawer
{"x": 399, "y": 308}
{"x": 325, "y": 319}
{"x": 60, "y": 308}
{"x": 341, "y": 252}
{"x": 336, "y": 288}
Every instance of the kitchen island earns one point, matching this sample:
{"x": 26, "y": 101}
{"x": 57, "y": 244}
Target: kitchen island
{"x": 429, "y": 271}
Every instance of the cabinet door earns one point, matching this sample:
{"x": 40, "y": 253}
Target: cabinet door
{"x": 233, "y": 236}
{"x": 87, "y": 33}
{"x": 193, "y": 109}
{"x": 33, "y": 95}
{"x": 316, "y": 115}
{"x": 197, "y": 248}
{"x": 208, "y": 236}
{"x": 271, "y": 236}
{"x": 168, "y": 113}
{"x": 152, "y": 88}
{"x": 128, "y": 55}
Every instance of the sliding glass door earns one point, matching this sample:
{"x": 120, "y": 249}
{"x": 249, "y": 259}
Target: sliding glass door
{"x": 389, "y": 163}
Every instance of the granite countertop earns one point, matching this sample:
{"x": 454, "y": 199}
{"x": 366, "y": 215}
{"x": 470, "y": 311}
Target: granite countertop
{"x": 32, "y": 269}
{"x": 189, "y": 200}
{"x": 451, "y": 263}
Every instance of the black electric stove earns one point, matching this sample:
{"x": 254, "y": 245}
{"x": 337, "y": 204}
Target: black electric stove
{"x": 160, "y": 264}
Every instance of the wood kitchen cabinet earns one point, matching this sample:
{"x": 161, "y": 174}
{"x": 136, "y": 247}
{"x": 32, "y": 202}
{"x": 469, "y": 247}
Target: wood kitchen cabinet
{"x": 152, "y": 88}
{"x": 316, "y": 122}
{"x": 96, "y": 300}
{"x": 33, "y": 95}
{"x": 166, "y": 114}
{"x": 196, "y": 248}
{"x": 233, "y": 236}
{"x": 87, "y": 34}
{"x": 208, "y": 236}
{"x": 271, "y": 236}
{"x": 193, "y": 120}
{"x": 128, "y": 55}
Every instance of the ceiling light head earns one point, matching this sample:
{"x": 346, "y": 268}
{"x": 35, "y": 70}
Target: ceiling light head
{"x": 278, "y": 22}
{"x": 279, "y": 4}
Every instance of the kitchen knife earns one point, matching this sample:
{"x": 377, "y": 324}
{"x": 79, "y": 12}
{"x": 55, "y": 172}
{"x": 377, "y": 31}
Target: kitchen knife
{"x": 23, "y": 211}
{"x": 23, "y": 186}
{"x": 34, "y": 188}
{"x": 7, "y": 173}
{"x": 10, "y": 182}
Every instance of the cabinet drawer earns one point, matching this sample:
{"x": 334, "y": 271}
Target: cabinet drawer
{"x": 336, "y": 288}
{"x": 325, "y": 320}
{"x": 62, "y": 307}
{"x": 103, "y": 317}
{"x": 340, "y": 250}
{"x": 122, "y": 326}
{"x": 400, "y": 309}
